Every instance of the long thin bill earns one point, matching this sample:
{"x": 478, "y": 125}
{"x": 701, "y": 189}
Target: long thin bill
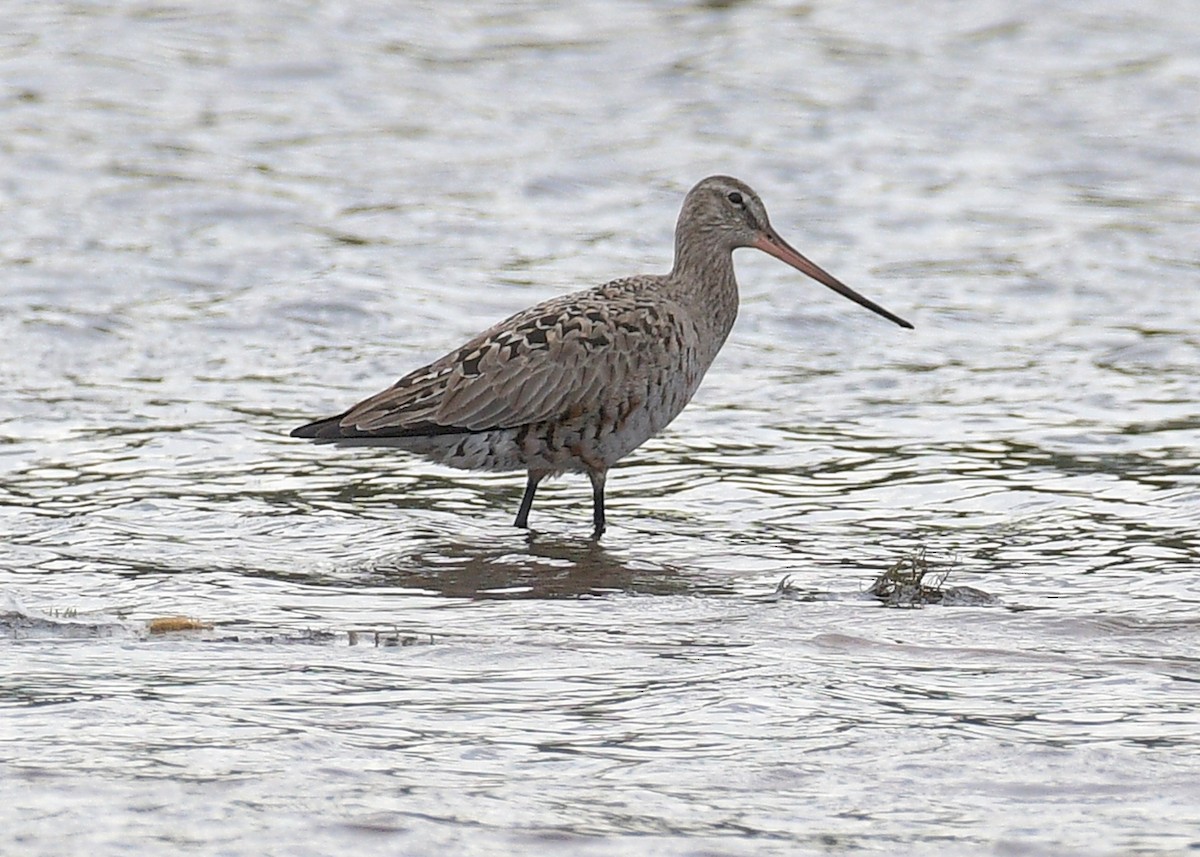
{"x": 771, "y": 243}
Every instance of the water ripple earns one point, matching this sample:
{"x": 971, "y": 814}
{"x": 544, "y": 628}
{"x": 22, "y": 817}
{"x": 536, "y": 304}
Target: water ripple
{"x": 220, "y": 222}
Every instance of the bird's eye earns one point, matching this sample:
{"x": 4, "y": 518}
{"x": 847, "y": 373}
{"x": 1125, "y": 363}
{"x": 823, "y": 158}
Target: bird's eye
{"x": 735, "y": 197}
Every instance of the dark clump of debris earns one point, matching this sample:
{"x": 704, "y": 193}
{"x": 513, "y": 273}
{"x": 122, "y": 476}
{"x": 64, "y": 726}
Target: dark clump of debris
{"x": 903, "y": 585}
{"x": 909, "y": 583}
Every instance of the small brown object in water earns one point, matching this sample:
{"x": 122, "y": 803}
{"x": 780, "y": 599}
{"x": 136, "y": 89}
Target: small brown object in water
{"x": 171, "y": 624}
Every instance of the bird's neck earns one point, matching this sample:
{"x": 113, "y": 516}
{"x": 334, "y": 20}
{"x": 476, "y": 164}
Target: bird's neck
{"x": 701, "y": 262}
{"x": 703, "y": 280}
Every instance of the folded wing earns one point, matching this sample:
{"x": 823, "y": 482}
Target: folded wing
{"x": 553, "y": 360}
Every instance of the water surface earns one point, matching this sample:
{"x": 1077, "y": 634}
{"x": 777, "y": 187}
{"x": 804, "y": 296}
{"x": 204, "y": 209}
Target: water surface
{"x": 221, "y": 222}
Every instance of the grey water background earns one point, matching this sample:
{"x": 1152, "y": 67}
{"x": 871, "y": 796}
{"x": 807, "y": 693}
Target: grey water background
{"x": 221, "y": 219}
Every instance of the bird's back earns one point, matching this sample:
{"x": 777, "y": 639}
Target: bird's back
{"x": 572, "y": 382}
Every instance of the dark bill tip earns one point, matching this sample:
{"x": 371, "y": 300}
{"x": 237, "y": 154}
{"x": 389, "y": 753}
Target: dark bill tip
{"x": 772, "y": 244}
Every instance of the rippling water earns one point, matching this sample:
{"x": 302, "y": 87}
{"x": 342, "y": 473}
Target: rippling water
{"x": 221, "y": 220}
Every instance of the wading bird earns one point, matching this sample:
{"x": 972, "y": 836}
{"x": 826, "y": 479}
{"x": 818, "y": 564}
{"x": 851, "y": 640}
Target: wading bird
{"x": 577, "y": 382}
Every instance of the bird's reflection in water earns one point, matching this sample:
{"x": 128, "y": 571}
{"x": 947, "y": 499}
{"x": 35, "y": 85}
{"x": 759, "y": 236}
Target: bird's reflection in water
{"x": 537, "y": 566}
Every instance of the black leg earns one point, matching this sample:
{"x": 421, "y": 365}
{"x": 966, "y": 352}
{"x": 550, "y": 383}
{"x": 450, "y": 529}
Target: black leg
{"x": 522, "y": 520}
{"x": 597, "y": 502}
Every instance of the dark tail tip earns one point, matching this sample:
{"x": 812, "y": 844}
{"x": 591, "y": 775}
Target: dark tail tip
{"x": 325, "y": 429}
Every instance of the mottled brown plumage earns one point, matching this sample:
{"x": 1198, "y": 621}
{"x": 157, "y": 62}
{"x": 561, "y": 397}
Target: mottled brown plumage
{"x": 575, "y": 383}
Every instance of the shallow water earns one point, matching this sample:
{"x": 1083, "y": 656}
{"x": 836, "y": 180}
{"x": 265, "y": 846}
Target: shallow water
{"x": 220, "y": 222}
